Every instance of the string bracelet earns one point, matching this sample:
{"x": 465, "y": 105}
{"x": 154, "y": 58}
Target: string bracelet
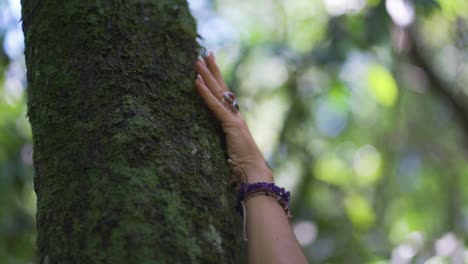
{"x": 247, "y": 191}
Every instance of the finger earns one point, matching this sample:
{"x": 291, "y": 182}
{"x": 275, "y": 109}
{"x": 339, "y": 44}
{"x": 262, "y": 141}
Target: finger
{"x": 209, "y": 80}
{"x": 214, "y": 69}
{"x": 218, "y": 109}
{"x": 235, "y": 113}
{"x": 202, "y": 60}
{"x": 201, "y": 79}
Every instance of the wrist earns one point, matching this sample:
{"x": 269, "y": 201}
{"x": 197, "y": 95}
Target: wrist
{"x": 250, "y": 168}
{"x": 258, "y": 173}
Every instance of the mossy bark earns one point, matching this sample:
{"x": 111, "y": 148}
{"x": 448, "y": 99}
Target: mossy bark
{"x": 129, "y": 166}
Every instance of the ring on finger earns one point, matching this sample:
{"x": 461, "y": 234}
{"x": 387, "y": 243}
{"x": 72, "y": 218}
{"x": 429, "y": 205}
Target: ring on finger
{"x": 230, "y": 99}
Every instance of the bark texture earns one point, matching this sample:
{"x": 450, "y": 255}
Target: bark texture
{"x": 129, "y": 166}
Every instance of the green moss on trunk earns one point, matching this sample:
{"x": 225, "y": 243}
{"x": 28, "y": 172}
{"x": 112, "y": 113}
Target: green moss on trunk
{"x": 129, "y": 167}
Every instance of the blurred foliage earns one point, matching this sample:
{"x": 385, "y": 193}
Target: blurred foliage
{"x": 17, "y": 198}
{"x": 357, "y": 105}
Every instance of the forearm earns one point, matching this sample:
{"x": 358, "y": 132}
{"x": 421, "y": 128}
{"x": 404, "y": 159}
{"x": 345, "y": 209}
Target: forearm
{"x": 270, "y": 237}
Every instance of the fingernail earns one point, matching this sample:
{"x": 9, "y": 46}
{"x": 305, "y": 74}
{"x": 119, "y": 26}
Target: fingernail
{"x": 202, "y": 60}
{"x": 212, "y": 54}
{"x": 200, "y": 78}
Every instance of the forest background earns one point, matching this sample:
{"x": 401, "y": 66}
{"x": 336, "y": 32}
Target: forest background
{"x": 359, "y": 107}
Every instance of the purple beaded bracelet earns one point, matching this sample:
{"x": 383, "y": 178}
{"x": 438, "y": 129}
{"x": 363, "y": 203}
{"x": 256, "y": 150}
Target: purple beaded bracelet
{"x": 268, "y": 188}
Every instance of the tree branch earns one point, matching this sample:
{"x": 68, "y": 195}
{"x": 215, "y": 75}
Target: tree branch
{"x": 439, "y": 86}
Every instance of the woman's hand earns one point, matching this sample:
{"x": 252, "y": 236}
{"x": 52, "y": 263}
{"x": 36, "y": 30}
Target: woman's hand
{"x": 271, "y": 239}
{"x": 241, "y": 146}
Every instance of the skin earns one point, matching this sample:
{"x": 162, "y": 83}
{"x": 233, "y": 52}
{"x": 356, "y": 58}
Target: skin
{"x": 270, "y": 237}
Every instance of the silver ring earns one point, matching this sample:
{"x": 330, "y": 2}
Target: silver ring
{"x": 231, "y": 100}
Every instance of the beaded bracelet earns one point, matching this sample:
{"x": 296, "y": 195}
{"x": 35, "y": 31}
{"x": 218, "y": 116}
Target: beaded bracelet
{"x": 247, "y": 191}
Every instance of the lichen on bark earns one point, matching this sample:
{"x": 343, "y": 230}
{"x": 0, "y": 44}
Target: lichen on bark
{"x": 129, "y": 166}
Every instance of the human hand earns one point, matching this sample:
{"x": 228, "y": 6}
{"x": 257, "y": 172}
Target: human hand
{"x": 240, "y": 144}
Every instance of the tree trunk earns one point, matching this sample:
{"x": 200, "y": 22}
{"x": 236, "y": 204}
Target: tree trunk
{"x": 129, "y": 166}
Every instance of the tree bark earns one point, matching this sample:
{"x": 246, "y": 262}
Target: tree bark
{"x": 129, "y": 166}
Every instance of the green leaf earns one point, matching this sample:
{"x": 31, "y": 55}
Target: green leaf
{"x": 359, "y": 211}
{"x": 333, "y": 170}
{"x": 382, "y": 85}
